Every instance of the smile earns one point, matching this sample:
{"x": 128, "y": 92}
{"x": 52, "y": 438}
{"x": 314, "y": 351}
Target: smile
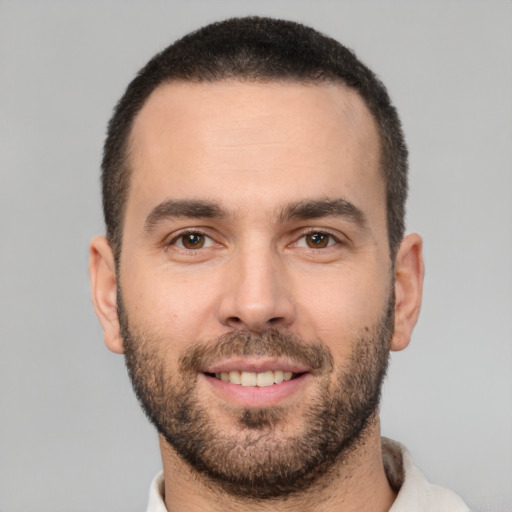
{"x": 255, "y": 379}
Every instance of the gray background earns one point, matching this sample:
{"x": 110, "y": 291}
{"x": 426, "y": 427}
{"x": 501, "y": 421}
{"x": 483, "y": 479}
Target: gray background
{"x": 72, "y": 437}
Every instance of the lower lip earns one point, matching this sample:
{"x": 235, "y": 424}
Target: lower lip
{"x": 253, "y": 396}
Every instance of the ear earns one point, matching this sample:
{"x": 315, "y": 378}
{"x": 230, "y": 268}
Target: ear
{"x": 409, "y": 272}
{"x": 102, "y": 273}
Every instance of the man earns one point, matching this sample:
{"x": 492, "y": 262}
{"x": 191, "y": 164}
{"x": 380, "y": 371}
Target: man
{"x": 255, "y": 272}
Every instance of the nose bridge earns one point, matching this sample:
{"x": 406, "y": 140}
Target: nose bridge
{"x": 257, "y": 296}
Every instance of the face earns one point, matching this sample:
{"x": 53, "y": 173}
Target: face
{"x": 255, "y": 284}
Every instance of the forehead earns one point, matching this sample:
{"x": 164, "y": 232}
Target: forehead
{"x": 269, "y": 142}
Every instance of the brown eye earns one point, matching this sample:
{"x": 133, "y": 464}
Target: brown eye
{"x": 192, "y": 241}
{"x": 317, "y": 240}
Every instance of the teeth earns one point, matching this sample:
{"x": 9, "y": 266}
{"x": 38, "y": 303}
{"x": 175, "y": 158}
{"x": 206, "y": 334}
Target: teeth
{"x": 252, "y": 379}
{"x": 248, "y": 379}
{"x": 264, "y": 379}
{"x": 234, "y": 377}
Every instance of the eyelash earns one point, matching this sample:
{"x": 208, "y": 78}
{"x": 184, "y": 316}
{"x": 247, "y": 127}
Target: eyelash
{"x": 331, "y": 240}
{"x": 182, "y": 234}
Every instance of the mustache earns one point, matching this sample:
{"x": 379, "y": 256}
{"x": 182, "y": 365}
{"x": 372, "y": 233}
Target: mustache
{"x": 271, "y": 343}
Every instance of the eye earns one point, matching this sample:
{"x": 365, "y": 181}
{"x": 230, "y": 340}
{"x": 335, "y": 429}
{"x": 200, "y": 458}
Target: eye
{"x": 192, "y": 240}
{"x": 316, "y": 240}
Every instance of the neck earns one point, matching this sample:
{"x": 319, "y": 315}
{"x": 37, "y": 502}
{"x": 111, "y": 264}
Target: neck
{"x": 357, "y": 483}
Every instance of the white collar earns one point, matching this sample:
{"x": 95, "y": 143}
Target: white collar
{"x": 415, "y": 493}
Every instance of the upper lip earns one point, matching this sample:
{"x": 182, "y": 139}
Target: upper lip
{"x": 255, "y": 364}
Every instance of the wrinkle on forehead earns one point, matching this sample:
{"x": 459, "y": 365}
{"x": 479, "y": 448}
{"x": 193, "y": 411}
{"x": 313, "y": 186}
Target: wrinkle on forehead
{"x": 250, "y": 143}
{"x": 186, "y": 105}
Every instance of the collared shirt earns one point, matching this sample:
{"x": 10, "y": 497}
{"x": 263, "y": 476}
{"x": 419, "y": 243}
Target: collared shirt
{"x": 415, "y": 493}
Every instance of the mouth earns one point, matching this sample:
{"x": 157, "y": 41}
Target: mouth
{"x": 255, "y": 379}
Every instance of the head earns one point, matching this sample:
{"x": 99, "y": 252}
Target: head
{"x": 255, "y": 273}
{"x": 255, "y": 50}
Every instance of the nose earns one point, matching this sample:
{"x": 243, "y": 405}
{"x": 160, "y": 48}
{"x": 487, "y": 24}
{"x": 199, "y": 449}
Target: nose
{"x": 256, "y": 293}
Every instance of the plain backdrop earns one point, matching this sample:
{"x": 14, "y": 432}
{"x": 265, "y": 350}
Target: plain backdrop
{"x": 72, "y": 437}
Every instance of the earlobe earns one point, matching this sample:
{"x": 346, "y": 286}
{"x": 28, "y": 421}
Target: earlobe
{"x": 409, "y": 272}
{"x": 102, "y": 273}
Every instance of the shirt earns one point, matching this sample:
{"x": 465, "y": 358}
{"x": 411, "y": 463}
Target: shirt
{"x": 415, "y": 493}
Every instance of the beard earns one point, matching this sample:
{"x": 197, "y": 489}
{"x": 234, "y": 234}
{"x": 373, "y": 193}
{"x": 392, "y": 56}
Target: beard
{"x": 261, "y": 458}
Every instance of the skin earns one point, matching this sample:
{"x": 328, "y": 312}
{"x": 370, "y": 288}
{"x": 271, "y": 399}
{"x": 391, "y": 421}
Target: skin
{"x": 254, "y": 150}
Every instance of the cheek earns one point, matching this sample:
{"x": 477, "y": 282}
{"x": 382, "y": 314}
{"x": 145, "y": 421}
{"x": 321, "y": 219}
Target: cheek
{"x": 341, "y": 306}
{"x": 166, "y": 304}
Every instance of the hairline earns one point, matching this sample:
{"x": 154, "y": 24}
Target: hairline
{"x": 127, "y": 148}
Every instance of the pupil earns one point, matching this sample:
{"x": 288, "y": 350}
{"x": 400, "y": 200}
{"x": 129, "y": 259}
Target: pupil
{"x": 193, "y": 240}
{"x": 317, "y": 240}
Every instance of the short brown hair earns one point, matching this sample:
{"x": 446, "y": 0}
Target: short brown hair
{"x": 254, "y": 49}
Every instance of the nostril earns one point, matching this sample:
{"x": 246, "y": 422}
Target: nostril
{"x": 237, "y": 322}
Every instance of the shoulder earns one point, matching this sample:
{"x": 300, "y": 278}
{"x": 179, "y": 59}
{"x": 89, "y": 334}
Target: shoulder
{"x": 415, "y": 492}
{"x": 156, "y": 494}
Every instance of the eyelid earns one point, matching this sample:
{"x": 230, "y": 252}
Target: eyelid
{"x": 338, "y": 239}
{"x": 175, "y": 237}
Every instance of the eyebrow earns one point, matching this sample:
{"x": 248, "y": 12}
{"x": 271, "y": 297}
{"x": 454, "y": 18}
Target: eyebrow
{"x": 317, "y": 208}
{"x": 300, "y": 210}
{"x": 191, "y": 208}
